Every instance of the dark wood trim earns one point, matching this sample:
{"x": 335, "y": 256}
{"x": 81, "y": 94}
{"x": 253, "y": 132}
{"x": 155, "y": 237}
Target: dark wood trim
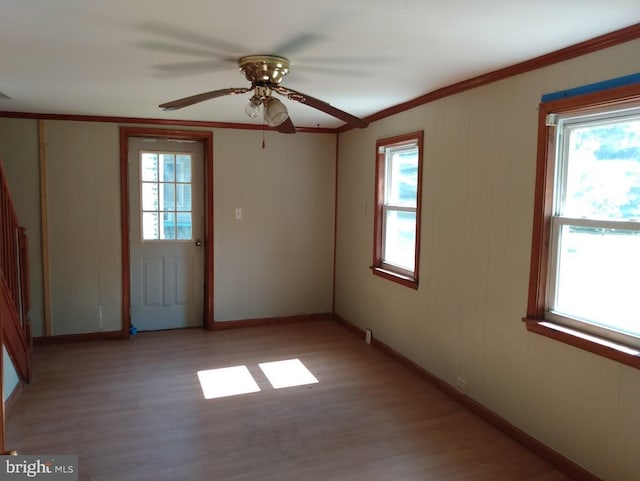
{"x": 265, "y": 321}
{"x": 582, "y": 48}
{"x": 377, "y": 206}
{"x": 44, "y": 228}
{"x": 593, "y": 100}
{"x": 583, "y": 341}
{"x": 209, "y": 226}
{"x": 204, "y": 136}
{"x": 73, "y": 338}
{"x": 124, "y": 232}
{"x": 540, "y": 449}
{"x": 156, "y": 122}
{"x": 119, "y": 335}
{"x": 541, "y": 219}
{"x": 394, "y": 277}
{"x": 543, "y": 201}
{"x": 378, "y": 268}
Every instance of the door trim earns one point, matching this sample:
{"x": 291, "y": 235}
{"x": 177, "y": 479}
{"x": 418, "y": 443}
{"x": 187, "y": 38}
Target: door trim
{"x": 206, "y": 137}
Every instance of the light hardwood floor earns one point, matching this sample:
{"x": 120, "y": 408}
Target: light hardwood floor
{"x": 134, "y": 410}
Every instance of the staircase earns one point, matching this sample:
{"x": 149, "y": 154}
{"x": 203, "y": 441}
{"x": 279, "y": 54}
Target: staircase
{"x": 15, "y": 328}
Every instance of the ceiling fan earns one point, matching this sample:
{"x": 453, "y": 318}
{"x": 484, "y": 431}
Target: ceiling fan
{"x": 265, "y": 72}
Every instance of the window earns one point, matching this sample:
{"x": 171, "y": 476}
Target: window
{"x": 397, "y": 208}
{"x": 585, "y": 276}
{"x": 165, "y": 189}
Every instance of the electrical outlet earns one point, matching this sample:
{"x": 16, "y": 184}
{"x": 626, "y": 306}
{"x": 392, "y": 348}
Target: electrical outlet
{"x": 367, "y": 336}
{"x": 461, "y": 384}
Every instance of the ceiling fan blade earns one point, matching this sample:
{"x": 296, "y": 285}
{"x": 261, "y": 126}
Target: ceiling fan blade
{"x": 194, "y": 99}
{"x": 350, "y": 61}
{"x": 323, "y": 106}
{"x": 194, "y": 67}
{"x": 167, "y": 47}
{"x": 185, "y": 35}
{"x": 347, "y": 72}
{"x": 286, "y": 127}
{"x": 296, "y": 43}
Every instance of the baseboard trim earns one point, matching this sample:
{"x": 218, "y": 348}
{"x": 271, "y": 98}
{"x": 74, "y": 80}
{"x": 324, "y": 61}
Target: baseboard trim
{"x": 264, "y": 321}
{"x": 89, "y": 336}
{"x": 557, "y": 460}
{"x": 217, "y": 325}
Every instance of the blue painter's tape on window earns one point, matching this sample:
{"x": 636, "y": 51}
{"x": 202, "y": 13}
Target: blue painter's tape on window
{"x": 595, "y": 87}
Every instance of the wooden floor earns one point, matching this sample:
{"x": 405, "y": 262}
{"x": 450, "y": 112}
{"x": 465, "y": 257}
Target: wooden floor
{"x": 135, "y": 410}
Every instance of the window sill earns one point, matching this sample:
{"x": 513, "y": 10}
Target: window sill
{"x": 395, "y": 277}
{"x": 597, "y": 345}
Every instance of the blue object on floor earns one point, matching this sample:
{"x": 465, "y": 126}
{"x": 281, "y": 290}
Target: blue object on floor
{"x": 133, "y": 330}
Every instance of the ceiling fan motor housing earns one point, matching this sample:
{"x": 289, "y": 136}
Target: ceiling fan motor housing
{"x": 264, "y": 70}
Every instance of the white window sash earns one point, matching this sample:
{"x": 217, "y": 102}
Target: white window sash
{"x": 385, "y": 210}
{"x": 582, "y": 325}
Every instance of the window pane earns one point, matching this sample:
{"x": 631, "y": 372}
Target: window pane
{"x": 149, "y": 196}
{"x": 599, "y": 277}
{"x": 402, "y": 177}
{"x": 168, "y": 168}
{"x": 183, "y": 199}
{"x": 183, "y": 168}
{"x": 168, "y": 196}
{"x": 150, "y": 230}
{"x": 168, "y": 228}
{"x": 149, "y": 167}
{"x": 400, "y": 239}
{"x": 603, "y": 179}
{"x": 184, "y": 226}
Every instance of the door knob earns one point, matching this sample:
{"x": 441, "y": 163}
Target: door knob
{"x": 198, "y": 243}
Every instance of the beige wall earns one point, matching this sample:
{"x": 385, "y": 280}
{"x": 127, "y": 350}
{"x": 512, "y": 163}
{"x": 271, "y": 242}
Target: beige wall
{"x": 276, "y": 261}
{"x": 465, "y": 318}
{"x": 83, "y": 187}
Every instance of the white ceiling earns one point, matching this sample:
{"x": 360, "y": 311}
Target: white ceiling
{"x": 117, "y": 57}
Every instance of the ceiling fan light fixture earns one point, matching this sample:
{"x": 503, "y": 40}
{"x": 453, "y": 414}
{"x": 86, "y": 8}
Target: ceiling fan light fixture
{"x": 275, "y": 112}
{"x": 252, "y": 109}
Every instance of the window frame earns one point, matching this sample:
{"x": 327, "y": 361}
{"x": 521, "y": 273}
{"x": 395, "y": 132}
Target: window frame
{"x": 379, "y": 267}
{"x": 536, "y": 319}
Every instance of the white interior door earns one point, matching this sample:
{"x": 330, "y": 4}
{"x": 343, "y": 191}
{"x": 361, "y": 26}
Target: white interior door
{"x": 166, "y": 202}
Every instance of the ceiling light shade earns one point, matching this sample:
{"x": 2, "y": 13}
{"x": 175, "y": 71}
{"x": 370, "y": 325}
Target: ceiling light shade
{"x": 253, "y": 107}
{"x": 275, "y": 112}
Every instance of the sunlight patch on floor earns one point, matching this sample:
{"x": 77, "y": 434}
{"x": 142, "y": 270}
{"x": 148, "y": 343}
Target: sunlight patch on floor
{"x": 227, "y": 381}
{"x": 287, "y": 373}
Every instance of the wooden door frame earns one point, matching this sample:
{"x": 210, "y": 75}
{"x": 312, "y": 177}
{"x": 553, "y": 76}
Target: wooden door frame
{"x": 206, "y": 137}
